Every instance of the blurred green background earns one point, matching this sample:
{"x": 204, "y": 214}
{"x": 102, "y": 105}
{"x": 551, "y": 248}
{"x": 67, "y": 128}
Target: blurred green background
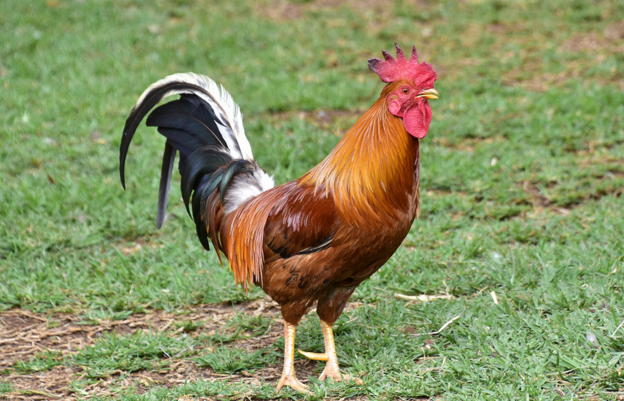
{"x": 522, "y": 176}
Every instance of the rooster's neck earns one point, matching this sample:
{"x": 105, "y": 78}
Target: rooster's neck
{"x": 373, "y": 172}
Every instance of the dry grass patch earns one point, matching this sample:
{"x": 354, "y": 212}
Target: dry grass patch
{"x": 25, "y": 335}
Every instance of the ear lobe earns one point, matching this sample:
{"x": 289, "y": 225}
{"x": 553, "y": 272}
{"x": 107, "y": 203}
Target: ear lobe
{"x": 395, "y": 108}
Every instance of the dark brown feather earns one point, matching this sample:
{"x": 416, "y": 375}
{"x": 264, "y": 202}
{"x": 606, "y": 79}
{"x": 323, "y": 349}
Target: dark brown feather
{"x": 303, "y": 222}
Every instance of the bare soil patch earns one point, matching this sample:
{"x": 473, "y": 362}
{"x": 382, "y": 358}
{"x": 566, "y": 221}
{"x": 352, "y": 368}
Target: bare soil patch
{"x": 599, "y": 45}
{"x": 283, "y": 10}
{"x": 538, "y": 200}
{"x": 541, "y": 202}
{"x": 504, "y": 28}
{"x": 24, "y": 334}
{"x": 610, "y": 39}
{"x": 466, "y": 144}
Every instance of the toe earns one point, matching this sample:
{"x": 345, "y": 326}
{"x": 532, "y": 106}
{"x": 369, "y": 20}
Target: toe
{"x": 332, "y": 371}
{"x": 337, "y": 377}
{"x": 314, "y": 356}
{"x": 292, "y": 382}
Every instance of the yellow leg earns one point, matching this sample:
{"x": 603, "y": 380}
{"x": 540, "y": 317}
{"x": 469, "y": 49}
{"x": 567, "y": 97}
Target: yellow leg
{"x": 288, "y": 374}
{"x": 331, "y": 368}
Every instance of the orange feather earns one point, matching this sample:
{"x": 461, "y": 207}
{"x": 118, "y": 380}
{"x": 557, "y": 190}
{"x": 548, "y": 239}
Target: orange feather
{"x": 368, "y": 174}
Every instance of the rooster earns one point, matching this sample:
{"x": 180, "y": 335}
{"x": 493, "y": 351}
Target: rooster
{"x": 308, "y": 242}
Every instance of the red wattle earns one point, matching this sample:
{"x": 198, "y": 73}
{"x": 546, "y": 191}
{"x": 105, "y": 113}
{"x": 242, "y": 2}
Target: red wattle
{"x": 417, "y": 119}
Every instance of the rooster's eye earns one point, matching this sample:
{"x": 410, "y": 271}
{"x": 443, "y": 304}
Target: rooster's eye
{"x": 404, "y": 90}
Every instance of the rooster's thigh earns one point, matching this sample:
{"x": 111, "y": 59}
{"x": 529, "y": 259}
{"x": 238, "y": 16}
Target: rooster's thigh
{"x": 332, "y": 302}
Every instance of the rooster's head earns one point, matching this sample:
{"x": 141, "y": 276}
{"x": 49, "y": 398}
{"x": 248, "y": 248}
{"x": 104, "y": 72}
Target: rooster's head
{"x": 414, "y": 86}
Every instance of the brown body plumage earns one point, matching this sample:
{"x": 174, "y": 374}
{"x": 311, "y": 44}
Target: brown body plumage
{"x": 310, "y": 241}
{"x": 363, "y": 198}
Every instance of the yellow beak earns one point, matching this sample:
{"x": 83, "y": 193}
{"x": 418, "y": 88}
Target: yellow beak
{"x": 429, "y": 94}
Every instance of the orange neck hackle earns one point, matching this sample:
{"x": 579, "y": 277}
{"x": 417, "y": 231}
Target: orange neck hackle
{"x": 371, "y": 171}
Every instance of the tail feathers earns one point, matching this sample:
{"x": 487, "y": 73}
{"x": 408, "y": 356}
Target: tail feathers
{"x": 243, "y": 187}
{"x": 188, "y": 123}
{"x": 216, "y": 102}
{"x": 203, "y": 162}
{"x": 209, "y": 172}
{"x": 165, "y": 182}
{"x": 205, "y": 126}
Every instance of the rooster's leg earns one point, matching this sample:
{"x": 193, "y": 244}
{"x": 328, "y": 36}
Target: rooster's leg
{"x": 288, "y": 374}
{"x": 331, "y": 368}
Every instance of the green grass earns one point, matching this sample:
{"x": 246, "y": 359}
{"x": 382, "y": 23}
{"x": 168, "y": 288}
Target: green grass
{"x": 130, "y": 353}
{"x": 40, "y": 362}
{"x": 231, "y": 360}
{"x": 522, "y": 177}
{"x": 5, "y": 387}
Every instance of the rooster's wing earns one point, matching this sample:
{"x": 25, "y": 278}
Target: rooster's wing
{"x": 303, "y": 222}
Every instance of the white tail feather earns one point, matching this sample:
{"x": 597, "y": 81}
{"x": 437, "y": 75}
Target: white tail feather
{"x": 246, "y": 186}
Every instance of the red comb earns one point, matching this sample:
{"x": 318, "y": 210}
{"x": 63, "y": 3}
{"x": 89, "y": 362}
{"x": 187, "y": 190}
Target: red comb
{"x": 392, "y": 69}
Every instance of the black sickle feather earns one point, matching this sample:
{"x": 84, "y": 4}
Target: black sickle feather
{"x": 192, "y": 116}
{"x": 212, "y": 227}
{"x": 165, "y": 182}
{"x": 197, "y": 201}
{"x": 137, "y": 114}
{"x": 212, "y": 184}
{"x": 200, "y": 227}
{"x": 184, "y": 142}
{"x": 203, "y": 161}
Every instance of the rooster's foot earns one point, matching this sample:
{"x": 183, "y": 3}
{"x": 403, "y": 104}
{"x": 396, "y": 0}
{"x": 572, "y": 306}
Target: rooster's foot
{"x": 333, "y": 372}
{"x": 331, "y": 369}
{"x": 292, "y": 382}
{"x": 288, "y": 374}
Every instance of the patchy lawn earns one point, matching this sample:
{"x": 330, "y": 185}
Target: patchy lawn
{"x": 519, "y": 241}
